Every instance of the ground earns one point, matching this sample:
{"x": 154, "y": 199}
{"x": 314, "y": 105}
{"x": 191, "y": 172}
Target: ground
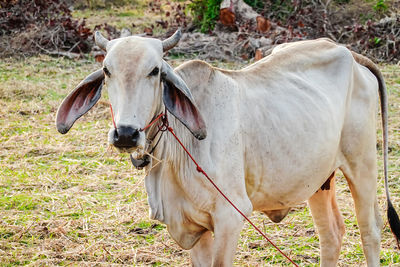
{"x": 70, "y": 199}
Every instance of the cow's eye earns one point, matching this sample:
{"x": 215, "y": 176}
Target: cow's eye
{"x": 154, "y": 72}
{"x": 107, "y": 72}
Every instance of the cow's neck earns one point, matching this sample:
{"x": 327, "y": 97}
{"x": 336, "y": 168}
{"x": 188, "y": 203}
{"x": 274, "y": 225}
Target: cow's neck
{"x": 173, "y": 188}
{"x": 170, "y": 152}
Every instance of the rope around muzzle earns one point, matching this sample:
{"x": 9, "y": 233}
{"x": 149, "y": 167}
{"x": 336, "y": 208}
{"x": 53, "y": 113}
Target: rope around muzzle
{"x": 164, "y": 126}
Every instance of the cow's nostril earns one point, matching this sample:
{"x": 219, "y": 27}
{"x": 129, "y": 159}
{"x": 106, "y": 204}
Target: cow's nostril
{"x": 115, "y": 135}
{"x": 135, "y": 135}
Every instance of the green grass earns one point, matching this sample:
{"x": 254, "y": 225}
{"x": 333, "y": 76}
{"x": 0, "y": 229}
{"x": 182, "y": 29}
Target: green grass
{"x": 69, "y": 199}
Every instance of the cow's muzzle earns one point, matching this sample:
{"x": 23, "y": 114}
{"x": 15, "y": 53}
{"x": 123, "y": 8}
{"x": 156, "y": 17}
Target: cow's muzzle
{"x": 124, "y": 137}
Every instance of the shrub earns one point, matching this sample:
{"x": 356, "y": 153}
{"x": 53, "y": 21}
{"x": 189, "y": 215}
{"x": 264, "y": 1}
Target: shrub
{"x": 205, "y": 13}
{"x": 41, "y": 26}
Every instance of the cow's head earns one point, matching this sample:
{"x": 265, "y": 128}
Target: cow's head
{"x": 140, "y": 83}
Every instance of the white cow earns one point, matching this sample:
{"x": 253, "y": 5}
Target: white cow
{"x": 277, "y": 131}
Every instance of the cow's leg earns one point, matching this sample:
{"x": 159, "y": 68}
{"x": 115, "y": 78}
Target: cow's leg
{"x": 227, "y": 226}
{"x": 358, "y": 160}
{"x": 329, "y": 222}
{"x": 226, "y": 236}
{"x": 362, "y": 182}
{"x": 201, "y": 253}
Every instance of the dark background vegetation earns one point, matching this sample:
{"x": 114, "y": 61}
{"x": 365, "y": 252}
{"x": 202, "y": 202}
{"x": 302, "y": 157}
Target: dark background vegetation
{"x": 371, "y": 27}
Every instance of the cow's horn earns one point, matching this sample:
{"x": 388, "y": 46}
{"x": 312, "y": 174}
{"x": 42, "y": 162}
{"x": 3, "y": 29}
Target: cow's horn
{"x": 170, "y": 42}
{"x": 100, "y": 40}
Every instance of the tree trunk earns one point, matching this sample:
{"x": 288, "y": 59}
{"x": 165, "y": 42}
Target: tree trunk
{"x": 237, "y": 12}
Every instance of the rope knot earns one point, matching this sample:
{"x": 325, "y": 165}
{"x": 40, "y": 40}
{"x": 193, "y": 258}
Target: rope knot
{"x": 199, "y": 169}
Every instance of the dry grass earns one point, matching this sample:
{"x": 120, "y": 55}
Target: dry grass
{"x": 69, "y": 200}
{"x": 136, "y": 13}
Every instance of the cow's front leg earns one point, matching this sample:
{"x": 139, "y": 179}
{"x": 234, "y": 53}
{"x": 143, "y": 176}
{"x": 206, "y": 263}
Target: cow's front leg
{"x": 227, "y": 226}
{"x": 201, "y": 253}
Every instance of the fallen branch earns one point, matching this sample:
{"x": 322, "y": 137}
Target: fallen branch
{"x": 70, "y": 55}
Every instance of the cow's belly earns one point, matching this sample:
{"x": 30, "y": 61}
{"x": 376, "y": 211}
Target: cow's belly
{"x": 293, "y": 151}
{"x": 282, "y": 178}
{"x": 287, "y": 166}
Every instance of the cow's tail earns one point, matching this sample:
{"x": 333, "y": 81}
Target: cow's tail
{"x": 393, "y": 218}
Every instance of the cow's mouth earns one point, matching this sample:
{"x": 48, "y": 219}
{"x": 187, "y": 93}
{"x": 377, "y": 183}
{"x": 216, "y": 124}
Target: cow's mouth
{"x": 140, "y": 158}
{"x": 140, "y": 162}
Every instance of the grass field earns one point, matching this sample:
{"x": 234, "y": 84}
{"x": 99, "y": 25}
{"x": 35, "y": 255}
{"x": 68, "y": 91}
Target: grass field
{"x": 69, "y": 199}
{"x": 134, "y": 16}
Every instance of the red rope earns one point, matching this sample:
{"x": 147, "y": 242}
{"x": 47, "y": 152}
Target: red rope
{"x": 141, "y": 130}
{"x": 199, "y": 169}
{"x": 165, "y": 127}
{"x": 151, "y": 123}
{"x": 112, "y": 116}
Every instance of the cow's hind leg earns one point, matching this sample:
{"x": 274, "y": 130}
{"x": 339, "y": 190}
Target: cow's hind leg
{"x": 358, "y": 160}
{"x": 201, "y": 253}
{"x": 363, "y": 185}
{"x": 329, "y": 222}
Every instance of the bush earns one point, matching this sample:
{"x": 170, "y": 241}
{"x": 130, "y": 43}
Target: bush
{"x": 41, "y": 26}
{"x": 205, "y": 13}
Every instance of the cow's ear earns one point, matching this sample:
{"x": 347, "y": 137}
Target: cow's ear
{"x": 79, "y": 101}
{"x": 179, "y": 101}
